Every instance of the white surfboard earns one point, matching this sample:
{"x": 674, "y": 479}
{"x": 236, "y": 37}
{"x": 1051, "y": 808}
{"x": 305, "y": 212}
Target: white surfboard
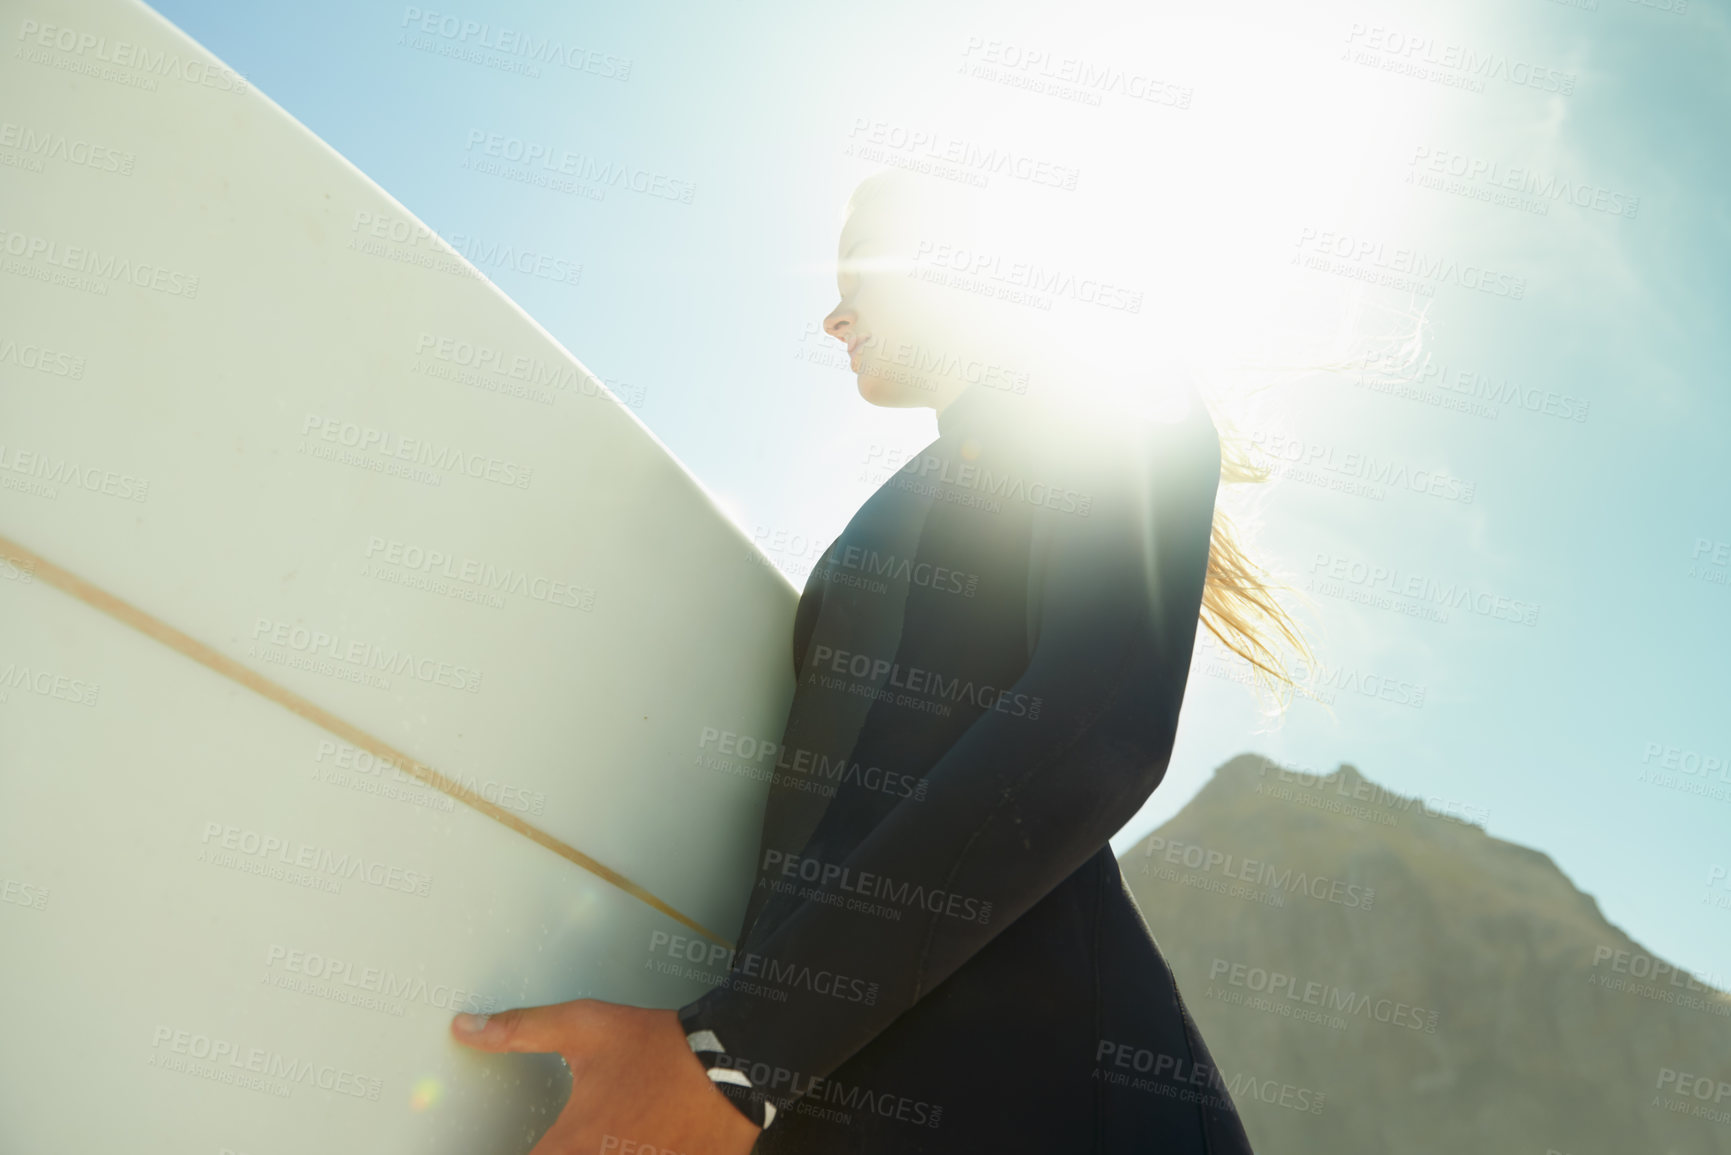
{"x": 362, "y": 658}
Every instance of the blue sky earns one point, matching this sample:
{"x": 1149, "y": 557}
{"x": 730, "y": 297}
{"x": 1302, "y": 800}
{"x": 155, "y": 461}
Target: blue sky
{"x": 1537, "y": 175}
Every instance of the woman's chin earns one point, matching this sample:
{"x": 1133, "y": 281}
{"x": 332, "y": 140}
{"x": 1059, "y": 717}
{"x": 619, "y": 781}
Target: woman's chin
{"x": 885, "y": 392}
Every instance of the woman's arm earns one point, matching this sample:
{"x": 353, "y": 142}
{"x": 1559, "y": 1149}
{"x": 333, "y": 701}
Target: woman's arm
{"x": 1017, "y": 804}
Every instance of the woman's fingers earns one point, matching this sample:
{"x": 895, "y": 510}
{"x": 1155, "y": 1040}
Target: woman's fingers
{"x": 530, "y": 1029}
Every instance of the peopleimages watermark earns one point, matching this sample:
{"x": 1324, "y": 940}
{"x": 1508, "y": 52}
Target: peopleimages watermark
{"x": 1257, "y": 873}
{"x": 911, "y": 362}
{"x": 1495, "y": 182}
{"x": 368, "y": 987}
{"x": 999, "y": 271}
{"x": 1687, "y": 770}
{"x": 408, "y": 242}
{"x": 856, "y": 886}
{"x": 341, "y": 764}
{"x": 1177, "y": 1076}
{"x": 1673, "y": 7}
{"x": 876, "y": 677}
{"x": 479, "y": 365}
{"x": 33, "y": 146}
{"x": 303, "y": 863}
{"x": 1071, "y": 78}
{"x": 739, "y": 968}
{"x": 820, "y": 1097}
{"x": 365, "y": 773}
{"x": 799, "y": 548}
{"x": 1617, "y": 968}
{"x": 1718, "y": 875}
{"x": 1398, "y": 267}
{"x": 414, "y": 452}
{"x": 44, "y": 472}
{"x": 1418, "y": 595}
{"x": 1381, "y": 805}
{"x": 17, "y": 569}
{"x": 881, "y": 462}
{"x": 29, "y": 895}
{"x": 966, "y": 482}
{"x": 1710, "y": 561}
{"x": 254, "y": 1068}
{"x": 1680, "y": 1087}
{"x": 1422, "y": 57}
{"x": 491, "y": 254}
{"x": 390, "y": 559}
{"x": 1319, "y": 684}
{"x": 302, "y": 647}
{"x": 799, "y": 768}
{"x": 45, "y": 683}
{"x": 886, "y": 142}
{"x": 1316, "y": 800}
{"x": 624, "y": 1146}
{"x": 558, "y": 168}
{"x": 89, "y": 269}
{"x": 863, "y": 567}
{"x": 819, "y": 348}
{"x": 528, "y": 47}
{"x": 1291, "y": 997}
{"x": 1467, "y": 390}
{"x": 92, "y": 51}
{"x": 41, "y": 359}
{"x": 1355, "y": 472}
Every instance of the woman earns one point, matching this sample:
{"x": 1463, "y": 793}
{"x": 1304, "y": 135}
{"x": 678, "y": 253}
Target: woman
{"x": 939, "y": 953}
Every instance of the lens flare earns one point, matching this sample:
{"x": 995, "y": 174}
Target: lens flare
{"x": 426, "y": 1094}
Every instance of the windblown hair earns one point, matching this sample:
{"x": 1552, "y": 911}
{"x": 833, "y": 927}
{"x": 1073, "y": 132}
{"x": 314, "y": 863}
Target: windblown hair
{"x": 1240, "y": 606}
{"x": 1239, "y": 602}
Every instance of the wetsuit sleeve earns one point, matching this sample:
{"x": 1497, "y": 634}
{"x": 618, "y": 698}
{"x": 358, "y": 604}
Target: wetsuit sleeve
{"x": 1019, "y": 802}
{"x": 805, "y": 614}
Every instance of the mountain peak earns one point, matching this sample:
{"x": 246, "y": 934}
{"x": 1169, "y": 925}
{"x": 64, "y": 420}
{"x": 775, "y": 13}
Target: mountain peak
{"x": 1348, "y": 774}
{"x": 1343, "y": 941}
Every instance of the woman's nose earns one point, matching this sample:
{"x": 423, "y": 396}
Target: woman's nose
{"x": 839, "y": 321}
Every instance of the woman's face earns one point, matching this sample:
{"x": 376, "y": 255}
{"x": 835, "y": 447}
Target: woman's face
{"x": 893, "y": 322}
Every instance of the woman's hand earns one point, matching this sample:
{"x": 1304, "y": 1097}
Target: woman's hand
{"x": 636, "y": 1087}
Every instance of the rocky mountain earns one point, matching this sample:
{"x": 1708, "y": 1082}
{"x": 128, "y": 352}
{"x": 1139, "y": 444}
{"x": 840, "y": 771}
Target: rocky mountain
{"x": 1376, "y": 975}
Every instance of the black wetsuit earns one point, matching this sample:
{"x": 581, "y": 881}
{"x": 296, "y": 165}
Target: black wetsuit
{"x": 940, "y": 953}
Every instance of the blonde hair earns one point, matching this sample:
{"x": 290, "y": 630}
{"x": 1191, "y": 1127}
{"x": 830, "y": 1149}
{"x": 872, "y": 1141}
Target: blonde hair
{"x": 1240, "y": 606}
{"x": 1240, "y": 602}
